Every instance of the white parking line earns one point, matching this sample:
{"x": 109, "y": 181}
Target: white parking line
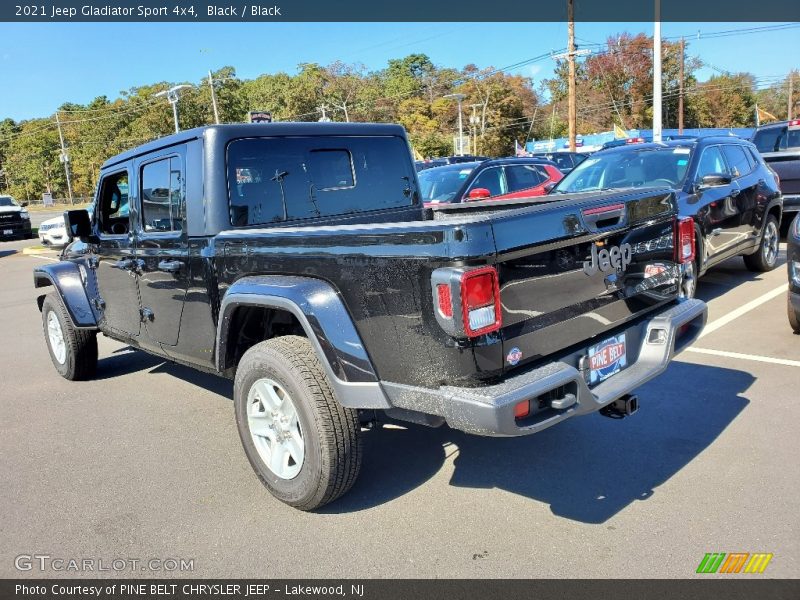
{"x": 743, "y": 309}
{"x": 754, "y": 357}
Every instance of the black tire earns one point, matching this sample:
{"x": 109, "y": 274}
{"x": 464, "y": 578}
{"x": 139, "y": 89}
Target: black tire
{"x": 794, "y": 315}
{"x": 766, "y": 257}
{"x": 331, "y": 433}
{"x": 80, "y": 345}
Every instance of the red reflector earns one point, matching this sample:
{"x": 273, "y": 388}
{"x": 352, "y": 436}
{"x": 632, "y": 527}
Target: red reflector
{"x": 522, "y": 409}
{"x": 445, "y": 300}
{"x": 684, "y": 241}
{"x": 479, "y": 290}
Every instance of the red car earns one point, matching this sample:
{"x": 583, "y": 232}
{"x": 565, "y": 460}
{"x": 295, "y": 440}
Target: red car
{"x": 494, "y": 179}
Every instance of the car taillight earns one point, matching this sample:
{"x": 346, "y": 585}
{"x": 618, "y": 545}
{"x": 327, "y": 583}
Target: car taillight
{"x": 467, "y": 302}
{"x": 480, "y": 301}
{"x": 684, "y": 241}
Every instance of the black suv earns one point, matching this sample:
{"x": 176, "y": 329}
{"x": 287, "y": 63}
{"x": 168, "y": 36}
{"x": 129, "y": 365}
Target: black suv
{"x": 565, "y": 161}
{"x": 721, "y": 183}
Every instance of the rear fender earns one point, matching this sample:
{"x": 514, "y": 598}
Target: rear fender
{"x": 327, "y": 324}
{"x": 66, "y": 278}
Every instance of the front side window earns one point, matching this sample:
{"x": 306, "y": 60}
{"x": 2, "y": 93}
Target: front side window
{"x": 162, "y": 195}
{"x": 271, "y": 180}
{"x": 490, "y": 179}
{"x": 114, "y": 208}
{"x": 711, "y": 163}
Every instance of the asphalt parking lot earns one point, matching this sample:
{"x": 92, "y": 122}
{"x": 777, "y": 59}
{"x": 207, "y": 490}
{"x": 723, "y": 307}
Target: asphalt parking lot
{"x": 146, "y": 462}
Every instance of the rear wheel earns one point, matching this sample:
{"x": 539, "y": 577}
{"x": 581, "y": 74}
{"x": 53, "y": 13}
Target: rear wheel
{"x": 794, "y": 315}
{"x": 303, "y": 445}
{"x": 73, "y": 351}
{"x": 766, "y": 257}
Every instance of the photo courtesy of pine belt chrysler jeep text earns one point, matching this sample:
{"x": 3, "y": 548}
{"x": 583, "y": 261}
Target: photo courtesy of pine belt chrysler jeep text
{"x": 298, "y": 260}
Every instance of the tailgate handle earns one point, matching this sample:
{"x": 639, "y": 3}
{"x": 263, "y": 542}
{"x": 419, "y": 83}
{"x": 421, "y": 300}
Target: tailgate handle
{"x": 601, "y": 217}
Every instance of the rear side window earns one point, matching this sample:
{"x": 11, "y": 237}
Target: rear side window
{"x": 737, "y": 160}
{"x": 271, "y": 180}
{"x": 775, "y": 139}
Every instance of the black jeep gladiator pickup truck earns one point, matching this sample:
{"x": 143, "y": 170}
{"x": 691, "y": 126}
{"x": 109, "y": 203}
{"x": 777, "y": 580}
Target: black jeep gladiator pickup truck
{"x": 298, "y": 259}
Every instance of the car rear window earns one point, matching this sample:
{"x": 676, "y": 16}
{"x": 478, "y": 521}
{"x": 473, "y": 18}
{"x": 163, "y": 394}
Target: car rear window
{"x": 775, "y": 139}
{"x": 278, "y": 179}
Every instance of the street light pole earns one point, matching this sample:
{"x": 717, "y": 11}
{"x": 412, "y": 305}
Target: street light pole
{"x": 657, "y": 73}
{"x": 173, "y": 97}
{"x": 459, "y": 98}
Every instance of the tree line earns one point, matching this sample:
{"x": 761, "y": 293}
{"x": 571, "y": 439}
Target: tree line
{"x": 614, "y": 86}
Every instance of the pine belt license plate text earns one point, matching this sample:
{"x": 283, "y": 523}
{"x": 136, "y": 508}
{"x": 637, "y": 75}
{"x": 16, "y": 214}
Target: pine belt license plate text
{"x": 607, "y": 358}
{"x": 8, "y": 231}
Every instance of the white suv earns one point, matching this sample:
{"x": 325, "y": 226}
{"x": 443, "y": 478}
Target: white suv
{"x": 52, "y": 232}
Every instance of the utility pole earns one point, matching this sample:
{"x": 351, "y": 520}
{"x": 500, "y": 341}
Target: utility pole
{"x": 213, "y": 97}
{"x": 459, "y": 98}
{"x": 657, "y": 73}
{"x": 64, "y": 159}
{"x": 680, "y": 88}
{"x": 789, "y": 103}
{"x": 572, "y": 116}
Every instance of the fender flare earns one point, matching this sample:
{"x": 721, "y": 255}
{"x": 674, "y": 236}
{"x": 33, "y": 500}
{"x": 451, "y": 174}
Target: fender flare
{"x": 327, "y": 324}
{"x": 66, "y": 278}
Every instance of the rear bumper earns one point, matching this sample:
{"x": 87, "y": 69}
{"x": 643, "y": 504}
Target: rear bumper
{"x": 489, "y": 410}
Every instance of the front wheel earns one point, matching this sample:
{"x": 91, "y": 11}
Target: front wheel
{"x": 73, "y": 351}
{"x": 303, "y": 445}
{"x": 794, "y": 315}
{"x": 766, "y": 257}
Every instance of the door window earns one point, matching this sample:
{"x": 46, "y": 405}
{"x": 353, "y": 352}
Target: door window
{"x": 491, "y": 179}
{"x": 737, "y": 160}
{"x": 114, "y": 210}
{"x": 523, "y": 177}
{"x": 711, "y": 163}
{"x": 162, "y": 195}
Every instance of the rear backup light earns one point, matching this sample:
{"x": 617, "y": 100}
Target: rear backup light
{"x": 480, "y": 301}
{"x": 684, "y": 241}
{"x": 522, "y": 409}
{"x": 445, "y": 300}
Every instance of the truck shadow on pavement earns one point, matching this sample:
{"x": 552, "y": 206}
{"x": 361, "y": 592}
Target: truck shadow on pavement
{"x": 587, "y": 469}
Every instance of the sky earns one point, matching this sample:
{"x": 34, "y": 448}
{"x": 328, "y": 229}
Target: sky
{"x": 44, "y": 65}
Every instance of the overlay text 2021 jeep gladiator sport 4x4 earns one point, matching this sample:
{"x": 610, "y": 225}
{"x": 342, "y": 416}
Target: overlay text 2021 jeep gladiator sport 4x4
{"x": 297, "y": 259}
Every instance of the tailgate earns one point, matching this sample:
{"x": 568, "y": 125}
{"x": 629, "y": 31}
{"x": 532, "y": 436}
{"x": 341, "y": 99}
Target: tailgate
{"x": 573, "y": 270}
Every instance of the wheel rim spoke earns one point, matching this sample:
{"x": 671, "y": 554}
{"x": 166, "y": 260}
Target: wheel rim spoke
{"x": 274, "y": 426}
{"x": 56, "y": 337}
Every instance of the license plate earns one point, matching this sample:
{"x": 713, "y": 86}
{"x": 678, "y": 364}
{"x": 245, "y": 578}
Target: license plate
{"x": 607, "y": 358}
{"x": 8, "y": 232}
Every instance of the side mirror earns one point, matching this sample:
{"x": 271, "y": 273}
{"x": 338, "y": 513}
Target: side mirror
{"x": 479, "y": 194}
{"x": 714, "y": 180}
{"x": 78, "y": 224}
{"x": 549, "y": 187}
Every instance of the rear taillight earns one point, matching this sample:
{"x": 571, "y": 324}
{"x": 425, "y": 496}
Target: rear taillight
{"x": 480, "y": 301}
{"x": 467, "y": 302}
{"x": 684, "y": 241}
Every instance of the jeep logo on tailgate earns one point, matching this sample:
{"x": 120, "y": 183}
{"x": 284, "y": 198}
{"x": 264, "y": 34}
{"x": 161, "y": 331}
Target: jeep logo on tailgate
{"x": 612, "y": 259}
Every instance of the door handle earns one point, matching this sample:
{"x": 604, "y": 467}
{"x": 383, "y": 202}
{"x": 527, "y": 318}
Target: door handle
{"x": 735, "y": 193}
{"x": 170, "y": 266}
